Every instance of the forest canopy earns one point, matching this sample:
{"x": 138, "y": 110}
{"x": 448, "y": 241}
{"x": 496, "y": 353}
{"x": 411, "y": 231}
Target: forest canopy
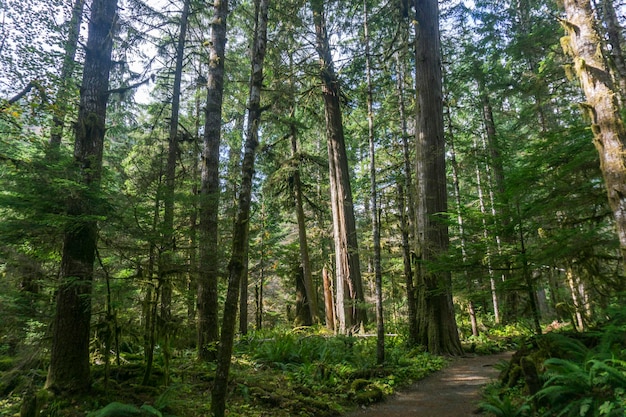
{"x": 177, "y": 176}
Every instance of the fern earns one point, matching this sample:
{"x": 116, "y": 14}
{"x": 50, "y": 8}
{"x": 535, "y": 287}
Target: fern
{"x": 116, "y": 409}
{"x": 504, "y": 407}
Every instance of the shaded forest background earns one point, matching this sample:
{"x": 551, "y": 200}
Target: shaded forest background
{"x": 532, "y": 235}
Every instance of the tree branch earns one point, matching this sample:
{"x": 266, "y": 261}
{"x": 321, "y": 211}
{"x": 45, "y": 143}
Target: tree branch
{"x": 122, "y": 90}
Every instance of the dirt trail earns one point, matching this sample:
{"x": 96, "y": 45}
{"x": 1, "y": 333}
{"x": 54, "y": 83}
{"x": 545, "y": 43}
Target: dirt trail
{"x": 452, "y": 392}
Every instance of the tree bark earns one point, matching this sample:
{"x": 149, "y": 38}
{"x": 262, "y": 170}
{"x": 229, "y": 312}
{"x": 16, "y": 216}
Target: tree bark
{"x": 406, "y": 202}
{"x": 437, "y": 329}
{"x": 307, "y": 276}
{"x": 236, "y": 266}
{"x": 69, "y": 358}
{"x": 378, "y": 275}
{"x": 351, "y": 313}
{"x": 460, "y": 220}
{"x": 67, "y": 72}
{"x": 208, "y": 327}
{"x": 616, "y": 39}
{"x": 166, "y": 255}
{"x": 583, "y": 43}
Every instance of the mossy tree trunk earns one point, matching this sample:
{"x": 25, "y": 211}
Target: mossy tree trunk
{"x": 69, "y": 369}
{"x": 582, "y": 43}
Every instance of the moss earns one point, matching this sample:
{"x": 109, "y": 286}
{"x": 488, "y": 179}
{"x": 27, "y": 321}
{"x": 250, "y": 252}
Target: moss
{"x": 371, "y": 395}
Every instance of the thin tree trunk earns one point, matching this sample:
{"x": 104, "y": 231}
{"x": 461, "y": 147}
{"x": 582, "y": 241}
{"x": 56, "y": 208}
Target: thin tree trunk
{"x": 380, "y": 323}
{"x": 67, "y": 72}
{"x": 457, "y": 198}
{"x": 69, "y": 358}
{"x": 237, "y": 267}
{"x": 166, "y": 261}
{"x": 151, "y": 301}
{"x": 407, "y": 211}
{"x": 311, "y": 294}
{"x": 208, "y": 327}
{"x": 351, "y": 313}
{"x": 329, "y": 301}
{"x": 437, "y": 326}
{"x": 530, "y": 286}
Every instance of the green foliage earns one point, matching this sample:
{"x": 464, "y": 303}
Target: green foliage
{"x": 593, "y": 388}
{"x": 505, "y": 405}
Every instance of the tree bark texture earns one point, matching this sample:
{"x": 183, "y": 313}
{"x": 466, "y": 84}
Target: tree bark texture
{"x": 208, "y": 327}
{"x": 582, "y": 42}
{"x": 437, "y": 328}
{"x": 350, "y": 297}
{"x": 239, "y": 257}
{"x": 69, "y": 359}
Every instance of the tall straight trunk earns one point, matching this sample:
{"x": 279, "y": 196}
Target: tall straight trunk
{"x": 236, "y": 266}
{"x": 166, "y": 259}
{"x": 437, "y": 329}
{"x": 616, "y": 40}
{"x": 351, "y": 313}
{"x": 69, "y": 356}
{"x": 151, "y": 300}
{"x": 406, "y": 202}
{"x": 499, "y": 205}
{"x": 490, "y": 270}
{"x": 528, "y": 279}
{"x": 583, "y": 43}
{"x": 378, "y": 274}
{"x": 460, "y": 221}
{"x": 305, "y": 262}
{"x": 208, "y": 327}
{"x": 67, "y": 72}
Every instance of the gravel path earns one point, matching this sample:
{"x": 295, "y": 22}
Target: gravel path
{"x": 452, "y": 392}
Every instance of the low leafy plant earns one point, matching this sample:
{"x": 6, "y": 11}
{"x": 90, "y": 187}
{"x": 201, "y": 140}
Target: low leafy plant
{"x": 594, "y": 388}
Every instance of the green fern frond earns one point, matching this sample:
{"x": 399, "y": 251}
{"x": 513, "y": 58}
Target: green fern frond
{"x": 116, "y": 409}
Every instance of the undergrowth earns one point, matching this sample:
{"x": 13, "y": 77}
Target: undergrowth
{"x": 284, "y": 373}
{"x": 565, "y": 374}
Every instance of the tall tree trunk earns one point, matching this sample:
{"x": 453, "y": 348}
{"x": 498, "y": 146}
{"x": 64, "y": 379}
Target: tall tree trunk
{"x": 406, "y": 201}
{"x": 166, "y": 259}
{"x": 67, "y": 72}
{"x": 437, "y": 326}
{"x": 69, "y": 357}
{"x": 498, "y": 198}
{"x": 351, "y": 313}
{"x": 378, "y": 274}
{"x": 208, "y": 327}
{"x": 616, "y": 40}
{"x": 305, "y": 262}
{"x": 236, "y": 266}
{"x": 460, "y": 221}
{"x": 583, "y": 43}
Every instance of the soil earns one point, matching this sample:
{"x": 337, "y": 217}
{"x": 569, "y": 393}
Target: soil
{"x": 452, "y": 392}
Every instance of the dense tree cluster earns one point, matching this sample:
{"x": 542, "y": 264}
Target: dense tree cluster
{"x": 173, "y": 175}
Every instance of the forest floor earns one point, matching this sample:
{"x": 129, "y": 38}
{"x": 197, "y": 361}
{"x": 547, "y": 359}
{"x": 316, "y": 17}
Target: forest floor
{"x": 451, "y": 392}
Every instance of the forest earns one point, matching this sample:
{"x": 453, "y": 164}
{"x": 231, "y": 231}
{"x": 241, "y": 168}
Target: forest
{"x": 295, "y": 208}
